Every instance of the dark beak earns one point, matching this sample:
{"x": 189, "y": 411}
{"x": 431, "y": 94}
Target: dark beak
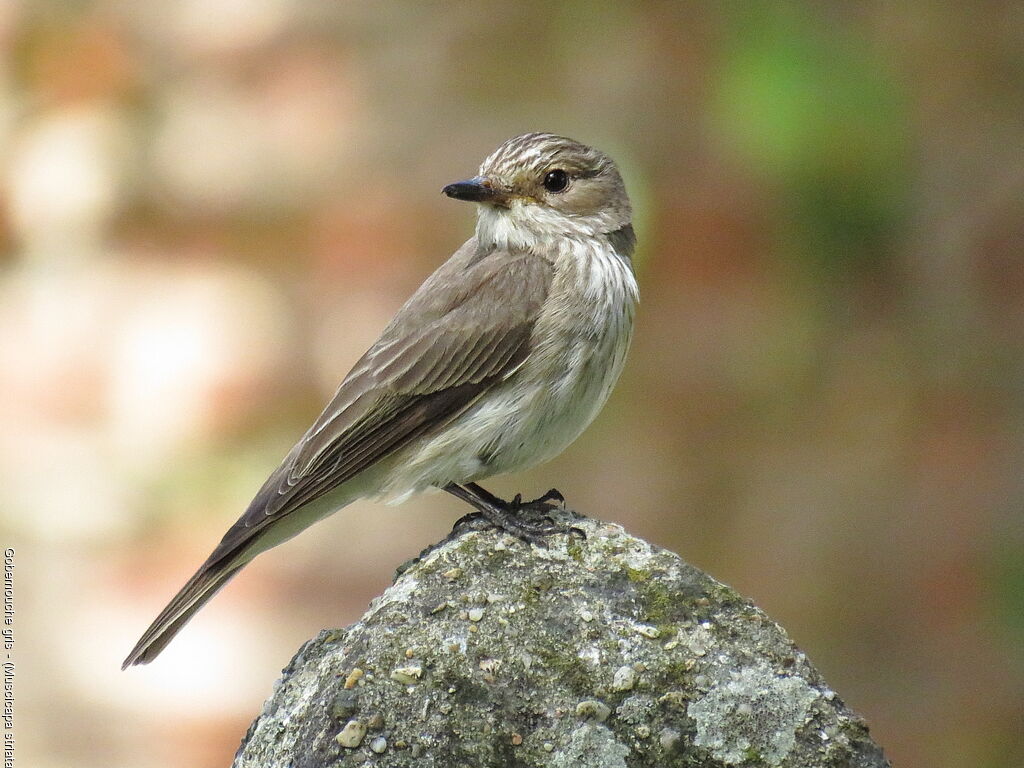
{"x": 476, "y": 190}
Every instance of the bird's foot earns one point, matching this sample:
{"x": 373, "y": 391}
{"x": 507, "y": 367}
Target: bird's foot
{"x": 529, "y": 521}
{"x": 541, "y": 503}
{"x": 542, "y": 506}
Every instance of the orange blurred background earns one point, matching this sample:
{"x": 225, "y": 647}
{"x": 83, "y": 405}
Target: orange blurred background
{"x": 209, "y": 208}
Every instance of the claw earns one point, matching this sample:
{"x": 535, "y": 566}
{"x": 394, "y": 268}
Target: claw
{"x": 471, "y": 521}
{"x": 553, "y": 495}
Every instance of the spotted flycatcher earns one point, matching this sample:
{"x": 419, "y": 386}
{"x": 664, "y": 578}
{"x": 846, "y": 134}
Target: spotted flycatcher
{"x": 497, "y": 362}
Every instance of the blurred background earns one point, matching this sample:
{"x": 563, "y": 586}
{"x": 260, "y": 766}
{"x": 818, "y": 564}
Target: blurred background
{"x": 209, "y": 208}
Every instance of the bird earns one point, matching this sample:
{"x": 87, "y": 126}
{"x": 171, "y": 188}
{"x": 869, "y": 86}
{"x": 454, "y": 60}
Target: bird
{"x": 497, "y": 362}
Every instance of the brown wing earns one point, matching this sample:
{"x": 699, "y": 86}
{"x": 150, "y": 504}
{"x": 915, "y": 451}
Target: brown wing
{"x": 466, "y": 328}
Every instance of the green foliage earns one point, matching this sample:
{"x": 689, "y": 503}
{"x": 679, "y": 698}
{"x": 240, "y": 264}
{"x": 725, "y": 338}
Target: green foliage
{"x": 824, "y": 121}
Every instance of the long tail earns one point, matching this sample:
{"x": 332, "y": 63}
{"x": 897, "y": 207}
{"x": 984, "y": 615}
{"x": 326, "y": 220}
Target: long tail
{"x": 254, "y": 532}
{"x": 206, "y": 582}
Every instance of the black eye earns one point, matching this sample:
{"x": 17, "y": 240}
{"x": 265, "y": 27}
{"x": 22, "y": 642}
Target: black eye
{"x": 556, "y": 180}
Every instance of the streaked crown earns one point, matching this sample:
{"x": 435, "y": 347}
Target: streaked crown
{"x": 534, "y": 153}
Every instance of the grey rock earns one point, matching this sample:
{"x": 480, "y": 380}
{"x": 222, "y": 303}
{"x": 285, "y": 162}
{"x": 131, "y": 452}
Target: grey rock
{"x": 716, "y": 683}
{"x": 624, "y": 679}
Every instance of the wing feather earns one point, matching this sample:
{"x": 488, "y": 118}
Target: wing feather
{"x": 466, "y": 329}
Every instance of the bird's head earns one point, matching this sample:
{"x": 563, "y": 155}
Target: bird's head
{"x": 538, "y": 186}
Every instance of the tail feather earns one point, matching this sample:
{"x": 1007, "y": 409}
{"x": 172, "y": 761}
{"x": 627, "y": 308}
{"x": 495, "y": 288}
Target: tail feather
{"x": 206, "y": 582}
{"x": 254, "y": 532}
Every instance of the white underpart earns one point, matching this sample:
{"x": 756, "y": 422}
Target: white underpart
{"x": 580, "y": 342}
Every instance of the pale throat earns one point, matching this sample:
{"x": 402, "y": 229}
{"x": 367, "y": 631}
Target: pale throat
{"x": 528, "y": 226}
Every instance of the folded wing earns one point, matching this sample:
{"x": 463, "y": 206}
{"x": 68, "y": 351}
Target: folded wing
{"x": 431, "y": 362}
{"x": 466, "y": 329}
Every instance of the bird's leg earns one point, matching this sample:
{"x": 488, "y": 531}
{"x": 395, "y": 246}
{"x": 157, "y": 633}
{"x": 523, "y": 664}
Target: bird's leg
{"x": 507, "y": 515}
{"x": 472, "y": 518}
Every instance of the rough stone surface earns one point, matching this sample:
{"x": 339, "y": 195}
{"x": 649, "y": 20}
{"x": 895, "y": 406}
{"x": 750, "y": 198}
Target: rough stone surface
{"x": 488, "y": 652}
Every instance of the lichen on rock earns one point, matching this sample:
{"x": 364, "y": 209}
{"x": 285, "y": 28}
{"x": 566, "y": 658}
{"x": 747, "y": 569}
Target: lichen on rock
{"x": 603, "y": 651}
{"x": 751, "y": 711}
